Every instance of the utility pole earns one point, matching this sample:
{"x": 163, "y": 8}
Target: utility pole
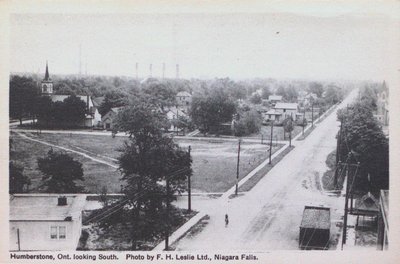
{"x": 163, "y": 70}
{"x": 312, "y": 114}
{"x": 339, "y": 142}
{"x": 137, "y": 71}
{"x": 19, "y": 242}
{"x": 189, "y": 187}
{"x": 270, "y": 143}
{"x": 237, "y": 167}
{"x": 167, "y": 217}
{"x": 349, "y": 190}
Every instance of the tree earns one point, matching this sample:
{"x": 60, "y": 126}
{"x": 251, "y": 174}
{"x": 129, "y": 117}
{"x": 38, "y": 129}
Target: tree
{"x": 249, "y": 122}
{"x": 17, "y": 178}
{"x": 112, "y": 99}
{"x": 256, "y": 99}
{"x": 266, "y": 92}
{"x": 316, "y": 88}
{"x": 288, "y": 127}
{"x": 159, "y": 94}
{"x": 60, "y": 171}
{"x": 43, "y": 109}
{"x": 364, "y": 139}
{"x": 211, "y": 109}
{"x": 333, "y": 95}
{"x": 23, "y": 92}
{"x": 73, "y": 110}
{"x": 148, "y": 158}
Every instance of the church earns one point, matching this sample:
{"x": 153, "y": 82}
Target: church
{"x": 92, "y": 116}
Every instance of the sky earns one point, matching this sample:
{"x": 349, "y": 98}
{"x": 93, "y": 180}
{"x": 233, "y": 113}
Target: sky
{"x": 284, "y": 44}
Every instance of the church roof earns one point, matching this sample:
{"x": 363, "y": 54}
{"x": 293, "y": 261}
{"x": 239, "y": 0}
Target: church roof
{"x": 47, "y": 75}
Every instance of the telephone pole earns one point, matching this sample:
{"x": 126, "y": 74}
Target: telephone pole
{"x": 189, "y": 187}
{"x": 349, "y": 189}
{"x": 312, "y": 114}
{"x": 339, "y": 142}
{"x": 237, "y": 167}
{"x": 270, "y": 142}
{"x": 167, "y": 217}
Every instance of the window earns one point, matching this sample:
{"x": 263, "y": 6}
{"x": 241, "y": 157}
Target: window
{"x": 58, "y": 232}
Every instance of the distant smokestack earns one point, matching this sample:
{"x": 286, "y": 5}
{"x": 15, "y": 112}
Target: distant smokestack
{"x": 151, "y": 70}
{"x": 137, "y": 71}
{"x": 177, "y": 71}
{"x": 163, "y": 70}
{"x": 80, "y": 59}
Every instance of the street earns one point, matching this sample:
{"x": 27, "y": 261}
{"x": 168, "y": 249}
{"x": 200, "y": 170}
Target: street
{"x": 268, "y": 217}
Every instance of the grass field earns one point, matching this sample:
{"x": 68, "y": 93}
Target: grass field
{"x": 214, "y": 161}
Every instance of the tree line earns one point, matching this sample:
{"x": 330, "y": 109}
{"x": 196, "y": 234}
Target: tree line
{"x": 363, "y": 142}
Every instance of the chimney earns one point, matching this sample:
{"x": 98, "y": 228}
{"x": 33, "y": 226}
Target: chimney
{"x": 87, "y": 103}
{"x": 62, "y": 201}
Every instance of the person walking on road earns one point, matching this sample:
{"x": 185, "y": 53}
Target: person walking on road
{"x": 226, "y": 220}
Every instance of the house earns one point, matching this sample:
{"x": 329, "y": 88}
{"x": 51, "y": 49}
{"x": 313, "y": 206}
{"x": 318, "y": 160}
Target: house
{"x": 45, "y": 221}
{"x": 108, "y": 119}
{"x": 183, "y": 99}
{"x": 92, "y": 116}
{"x": 281, "y": 111}
{"x": 383, "y": 220}
{"x": 173, "y": 114}
{"x": 273, "y": 99}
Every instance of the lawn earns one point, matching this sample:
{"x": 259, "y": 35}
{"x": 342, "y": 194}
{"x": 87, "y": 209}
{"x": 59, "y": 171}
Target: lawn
{"x": 214, "y": 160}
{"x": 277, "y": 133}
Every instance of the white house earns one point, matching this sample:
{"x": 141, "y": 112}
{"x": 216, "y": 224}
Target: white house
{"x": 45, "y": 221}
{"x": 173, "y": 113}
{"x": 183, "y": 98}
{"x": 281, "y": 111}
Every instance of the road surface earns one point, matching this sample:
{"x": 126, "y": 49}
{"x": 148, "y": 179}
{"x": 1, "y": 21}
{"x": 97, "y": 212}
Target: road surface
{"x": 268, "y": 217}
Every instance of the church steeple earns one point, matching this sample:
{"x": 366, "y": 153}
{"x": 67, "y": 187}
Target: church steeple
{"x": 47, "y": 76}
{"x": 47, "y": 83}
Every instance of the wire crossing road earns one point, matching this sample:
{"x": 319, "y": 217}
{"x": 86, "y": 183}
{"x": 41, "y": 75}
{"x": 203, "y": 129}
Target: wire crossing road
{"x": 268, "y": 217}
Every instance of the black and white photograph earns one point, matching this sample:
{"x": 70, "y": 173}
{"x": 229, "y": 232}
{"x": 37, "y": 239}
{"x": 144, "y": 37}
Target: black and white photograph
{"x": 199, "y": 131}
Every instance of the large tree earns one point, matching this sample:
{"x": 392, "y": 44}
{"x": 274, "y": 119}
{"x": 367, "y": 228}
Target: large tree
{"x": 212, "y": 108}
{"x": 23, "y": 92}
{"x": 364, "y": 140}
{"x": 60, "y": 171}
{"x": 112, "y": 99}
{"x": 153, "y": 167}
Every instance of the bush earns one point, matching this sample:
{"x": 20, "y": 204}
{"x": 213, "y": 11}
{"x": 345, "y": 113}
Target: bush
{"x": 248, "y": 123}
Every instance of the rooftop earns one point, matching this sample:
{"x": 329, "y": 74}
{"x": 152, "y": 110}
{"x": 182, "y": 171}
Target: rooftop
{"x": 316, "y": 217}
{"x": 184, "y": 94}
{"x": 286, "y": 106}
{"x": 43, "y": 207}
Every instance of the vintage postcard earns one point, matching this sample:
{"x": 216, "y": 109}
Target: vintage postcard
{"x": 199, "y": 131}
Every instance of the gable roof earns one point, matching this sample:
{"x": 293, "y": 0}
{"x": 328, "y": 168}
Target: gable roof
{"x": 286, "y": 106}
{"x": 43, "y": 207}
{"x": 97, "y": 101}
{"x": 368, "y": 203}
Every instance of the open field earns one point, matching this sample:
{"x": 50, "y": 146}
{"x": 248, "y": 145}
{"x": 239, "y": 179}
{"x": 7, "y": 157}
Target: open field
{"x": 214, "y": 161}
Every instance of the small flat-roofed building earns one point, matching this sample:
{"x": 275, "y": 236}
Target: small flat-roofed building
{"x": 273, "y": 99}
{"x": 315, "y": 228}
{"x": 45, "y": 221}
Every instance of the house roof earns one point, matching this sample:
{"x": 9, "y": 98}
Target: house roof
{"x": 367, "y": 203}
{"x": 275, "y": 97}
{"x": 184, "y": 94}
{"x": 62, "y": 97}
{"x": 175, "y": 111}
{"x": 97, "y": 101}
{"x": 286, "y": 106}
{"x": 43, "y": 207}
{"x": 316, "y": 217}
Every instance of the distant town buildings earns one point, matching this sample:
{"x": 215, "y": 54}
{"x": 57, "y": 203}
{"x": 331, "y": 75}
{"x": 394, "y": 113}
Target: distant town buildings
{"x": 281, "y": 111}
{"x": 45, "y": 221}
{"x": 183, "y": 99}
